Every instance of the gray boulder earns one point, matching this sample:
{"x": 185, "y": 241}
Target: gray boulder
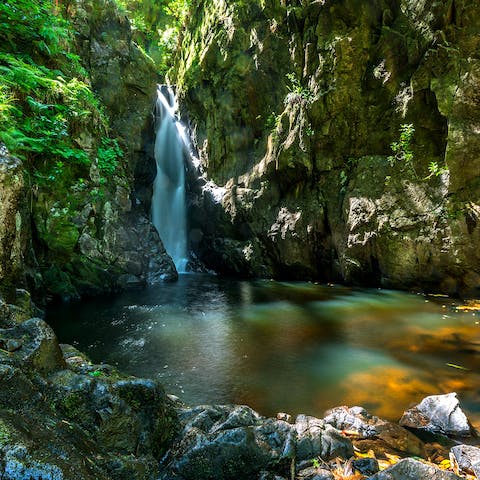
{"x": 371, "y": 432}
{"x": 235, "y": 442}
{"x": 466, "y": 459}
{"x": 317, "y": 438}
{"x": 410, "y": 469}
{"x": 438, "y": 414}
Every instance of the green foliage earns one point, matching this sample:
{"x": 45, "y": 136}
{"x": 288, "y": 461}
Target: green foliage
{"x": 31, "y": 24}
{"x": 298, "y": 91}
{"x": 402, "y": 150}
{"x": 156, "y": 25}
{"x": 309, "y": 131}
{"x": 272, "y": 122}
{"x": 46, "y": 102}
{"x": 41, "y": 110}
{"x": 436, "y": 170}
{"x": 108, "y": 155}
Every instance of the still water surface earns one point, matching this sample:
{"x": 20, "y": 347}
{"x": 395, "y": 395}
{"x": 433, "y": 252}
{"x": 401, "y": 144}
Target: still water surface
{"x": 294, "y": 347}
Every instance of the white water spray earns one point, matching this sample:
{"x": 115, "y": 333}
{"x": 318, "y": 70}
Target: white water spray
{"x": 168, "y": 200}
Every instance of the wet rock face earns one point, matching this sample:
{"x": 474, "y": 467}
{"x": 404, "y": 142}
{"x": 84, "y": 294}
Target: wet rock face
{"x": 234, "y": 442}
{"x": 15, "y": 231}
{"x": 304, "y": 185}
{"x": 63, "y": 418}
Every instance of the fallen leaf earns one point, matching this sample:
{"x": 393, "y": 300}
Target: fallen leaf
{"x": 459, "y": 367}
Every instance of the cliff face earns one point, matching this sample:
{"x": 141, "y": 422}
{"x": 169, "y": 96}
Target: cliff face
{"x": 294, "y": 107}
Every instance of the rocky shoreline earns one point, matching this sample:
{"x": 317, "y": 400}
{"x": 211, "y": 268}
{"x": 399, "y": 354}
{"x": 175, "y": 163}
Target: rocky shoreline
{"x": 62, "y": 417}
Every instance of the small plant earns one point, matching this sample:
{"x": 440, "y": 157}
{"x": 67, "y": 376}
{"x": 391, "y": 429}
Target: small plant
{"x": 272, "y": 121}
{"x": 402, "y": 150}
{"x": 297, "y": 91}
{"x": 343, "y": 181}
{"x": 309, "y": 131}
{"x": 316, "y": 463}
{"x": 436, "y": 170}
{"x": 108, "y": 155}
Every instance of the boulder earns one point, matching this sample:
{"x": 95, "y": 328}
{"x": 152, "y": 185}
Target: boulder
{"x": 410, "y": 469}
{"x": 235, "y": 442}
{"x": 317, "y": 438}
{"x": 31, "y": 344}
{"x": 371, "y": 432}
{"x": 466, "y": 459}
{"x": 313, "y": 473}
{"x": 438, "y": 414}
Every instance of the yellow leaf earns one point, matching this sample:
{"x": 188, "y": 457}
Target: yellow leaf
{"x": 445, "y": 464}
{"x": 369, "y": 454}
{"x": 453, "y": 365}
{"x": 392, "y": 458}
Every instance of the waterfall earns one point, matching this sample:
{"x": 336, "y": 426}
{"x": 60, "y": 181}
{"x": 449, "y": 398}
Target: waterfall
{"x": 168, "y": 200}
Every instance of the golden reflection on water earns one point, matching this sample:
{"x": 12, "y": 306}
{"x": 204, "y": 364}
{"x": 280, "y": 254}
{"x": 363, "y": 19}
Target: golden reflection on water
{"x": 295, "y": 347}
{"x": 385, "y": 390}
{"x": 389, "y": 353}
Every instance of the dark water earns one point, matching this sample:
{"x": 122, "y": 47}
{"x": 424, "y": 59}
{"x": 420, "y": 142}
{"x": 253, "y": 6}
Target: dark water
{"x": 294, "y": 347}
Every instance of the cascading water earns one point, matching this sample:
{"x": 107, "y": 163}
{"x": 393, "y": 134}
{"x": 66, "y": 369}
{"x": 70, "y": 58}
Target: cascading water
{"x": 168, "y": 200}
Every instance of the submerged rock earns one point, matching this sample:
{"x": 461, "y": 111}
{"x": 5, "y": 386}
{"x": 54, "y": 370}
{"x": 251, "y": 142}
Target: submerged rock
{"x": 438, "y": 414}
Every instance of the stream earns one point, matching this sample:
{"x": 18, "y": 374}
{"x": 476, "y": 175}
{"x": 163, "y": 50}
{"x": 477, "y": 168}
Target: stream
{"x": 283, "y": 346}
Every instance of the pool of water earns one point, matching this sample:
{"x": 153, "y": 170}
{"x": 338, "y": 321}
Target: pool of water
{"x": 277, "y": 346}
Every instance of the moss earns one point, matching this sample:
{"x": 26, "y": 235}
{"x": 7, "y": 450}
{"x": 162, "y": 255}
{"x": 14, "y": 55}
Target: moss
{"x": 5, "y": 435}
{"x": 72, "y": 406}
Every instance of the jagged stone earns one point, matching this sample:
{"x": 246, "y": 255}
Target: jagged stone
{"x": 366, "y": 466}
{"x": 410, "y": 469}
{"x": 466, "y": 459}
{"x": 371, "y": 432}
{"x": 218, "y": 437}
{"x": 315, "y": 438}
{"x": 438, "y": 414}
{"x": 313, "y": 473}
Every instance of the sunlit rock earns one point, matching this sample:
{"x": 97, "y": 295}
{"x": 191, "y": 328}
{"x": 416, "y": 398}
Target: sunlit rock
{"x": 438, "y": 414}
{"x": 410, "y": 469}
{"x": 371, "y": 432}
{"x": 466, "y": 459}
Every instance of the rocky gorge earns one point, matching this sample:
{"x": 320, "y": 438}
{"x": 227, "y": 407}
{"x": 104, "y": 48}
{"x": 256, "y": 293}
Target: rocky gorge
{"x": 297, "y": 110}
{"x": 293, "y": 108}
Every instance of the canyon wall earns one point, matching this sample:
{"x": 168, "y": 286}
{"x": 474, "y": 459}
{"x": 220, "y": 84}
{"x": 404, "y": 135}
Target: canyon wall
{"x": 297, "y": 111}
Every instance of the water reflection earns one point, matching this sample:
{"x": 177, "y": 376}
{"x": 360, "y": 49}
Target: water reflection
{"x": 296, "y": 347}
